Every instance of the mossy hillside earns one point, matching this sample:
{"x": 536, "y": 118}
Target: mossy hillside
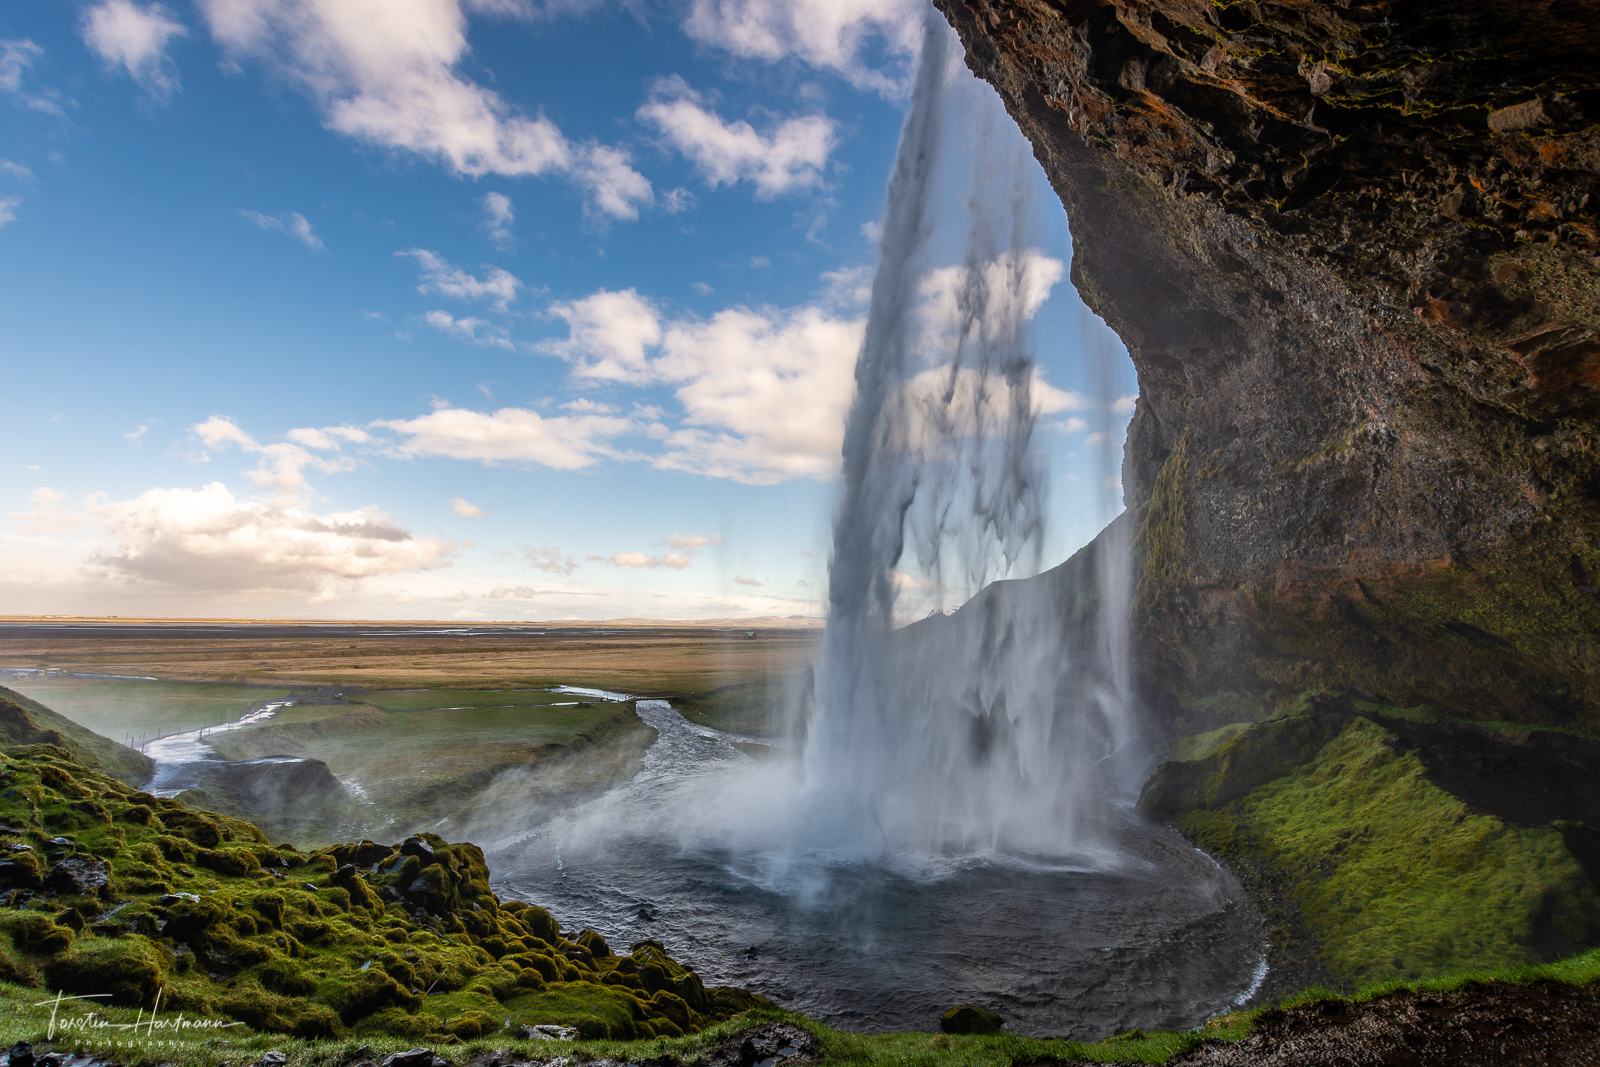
{"x": 200, "y": 910}
{"x": 1395, "y": 877}
{"x": 27, "y": 722}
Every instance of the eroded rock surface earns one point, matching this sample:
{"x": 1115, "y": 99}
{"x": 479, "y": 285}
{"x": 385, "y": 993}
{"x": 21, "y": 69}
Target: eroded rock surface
{"x": 1352, "y": 251}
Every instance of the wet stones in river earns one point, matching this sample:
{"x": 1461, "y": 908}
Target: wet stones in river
{"x": 970, "y": 1019}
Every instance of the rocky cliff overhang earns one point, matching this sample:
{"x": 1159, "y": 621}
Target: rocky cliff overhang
{"x": 1352, "y": 251}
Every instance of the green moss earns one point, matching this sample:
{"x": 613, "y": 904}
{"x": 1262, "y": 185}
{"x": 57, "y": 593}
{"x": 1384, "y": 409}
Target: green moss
{"x": 1160, "y": 546}
{"x": 190, "y": 910}
{"x": 1395, "y": 877}
{"x": 582, "y": 1005}
{"x": 130, "y": 970}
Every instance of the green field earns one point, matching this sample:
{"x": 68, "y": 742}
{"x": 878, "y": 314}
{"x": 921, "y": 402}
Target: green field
{"x": 142, "y": 710}
{"x": 456, "y": 699}
{"x": 418, "y": 766}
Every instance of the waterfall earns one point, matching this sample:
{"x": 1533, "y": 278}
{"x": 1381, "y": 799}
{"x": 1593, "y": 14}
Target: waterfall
{"x": 996, "y": 730}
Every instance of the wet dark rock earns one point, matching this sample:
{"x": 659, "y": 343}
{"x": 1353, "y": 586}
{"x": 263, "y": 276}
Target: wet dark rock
{"x": 546, "y": 1032}
{"x": 417, "y": 1057}
{"x": 272, "y": 1059}
{"x": 21, "y": 1055}
{"x": 416, "y": 846}
{"x": 1352, "y": 250}
{"x": 646, "y": 915}
{"x": 769, "y": 1044}
{"x": 970, "y": 1019}
{"x": 1490, "y": 1025}
{"x": 77, "y": 875}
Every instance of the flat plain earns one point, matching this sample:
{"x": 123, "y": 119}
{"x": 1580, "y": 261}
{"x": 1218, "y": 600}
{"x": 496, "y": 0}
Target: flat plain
{"x": 642, "y": 659}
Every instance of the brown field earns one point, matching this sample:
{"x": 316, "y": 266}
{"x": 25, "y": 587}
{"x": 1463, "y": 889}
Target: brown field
{"x": 644, "y": 659}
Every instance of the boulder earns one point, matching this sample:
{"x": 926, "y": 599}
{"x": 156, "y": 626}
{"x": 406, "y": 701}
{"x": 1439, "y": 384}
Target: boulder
{"x": 77, "y": 875}
{"x": 970, "y": 1019}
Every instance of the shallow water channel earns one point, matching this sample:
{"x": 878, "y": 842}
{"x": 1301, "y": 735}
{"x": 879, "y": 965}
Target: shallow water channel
{"x": 1162, "y": 938}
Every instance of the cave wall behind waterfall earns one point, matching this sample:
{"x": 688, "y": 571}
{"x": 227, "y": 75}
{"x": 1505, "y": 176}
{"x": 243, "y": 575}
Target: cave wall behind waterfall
{"x": 1352, "y": 251}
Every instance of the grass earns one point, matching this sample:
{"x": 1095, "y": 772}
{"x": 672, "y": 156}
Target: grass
{"x": 122, "y": 708}
{"x": 414, "y": 766}
{"x": 642, "y": 660}
{"x": 452, "y": 699}
{"x": 1395, "y": 877}
{"x": 23, "y": 1017}
{"x": 755, "y": 709}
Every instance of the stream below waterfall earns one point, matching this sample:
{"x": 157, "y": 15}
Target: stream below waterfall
{"x": 1163, "y": 938}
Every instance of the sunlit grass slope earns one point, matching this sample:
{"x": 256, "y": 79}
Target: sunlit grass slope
{"x": 1394, "y": 877}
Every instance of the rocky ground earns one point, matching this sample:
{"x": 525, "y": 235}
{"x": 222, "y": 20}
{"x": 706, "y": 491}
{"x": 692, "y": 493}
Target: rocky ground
{"x": 1490, "y": 1025}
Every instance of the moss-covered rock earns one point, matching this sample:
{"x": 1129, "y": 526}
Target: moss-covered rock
{"x": 970, "y": 1019}
{"x": 1392, "y": 875}
{"x": 199, "y": 909}
{"x": 129, "y": 971}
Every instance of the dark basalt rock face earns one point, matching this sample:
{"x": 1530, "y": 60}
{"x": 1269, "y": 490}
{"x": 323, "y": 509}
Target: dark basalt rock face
{"x": 1352, "y": 250}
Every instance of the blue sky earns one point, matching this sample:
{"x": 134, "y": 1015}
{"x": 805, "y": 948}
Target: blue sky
{"x": 458, "y": 308}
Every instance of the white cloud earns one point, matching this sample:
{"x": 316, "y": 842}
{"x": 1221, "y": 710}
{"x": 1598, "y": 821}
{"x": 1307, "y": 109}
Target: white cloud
{"x": 135, "y": 38}
{"x": 639, "y": 561}
{"x": 677, "y": 200}
{"x": 689, "y": 542}
{"x": 16, "y": 170}
{"x": 790, "y": 157}
{"x": 282, "y": 465}
{"x": 498, "y": 286}
{"x": 1069, "y": 425}
{"x": 584, "y": 406}
{"x": 549, "y": 558}
{"x": 478, "y": 331}
{"x": 8, "y": 208}
{"x": 464, "y": 509}
{"x": 386, "y": 74}
{"x": 206, "y": 539}
{"x": 764, "y": 392}
{"x": 510, "y": 435}
{"x": 135, "y": 434}
{"x": 848, "y": 287}
{"x": 739, "y": 580}
{"x": 16, "y": 56}
{"x": 498, "y": 215}
{"x": 608, "y": 335}
{"x": 294, "y": 224}
{"x": 47, "y": 515}
{"x": 831, "y": 34}
{"x": 1124, "y": 405}
{"x": 328, "y": 438}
